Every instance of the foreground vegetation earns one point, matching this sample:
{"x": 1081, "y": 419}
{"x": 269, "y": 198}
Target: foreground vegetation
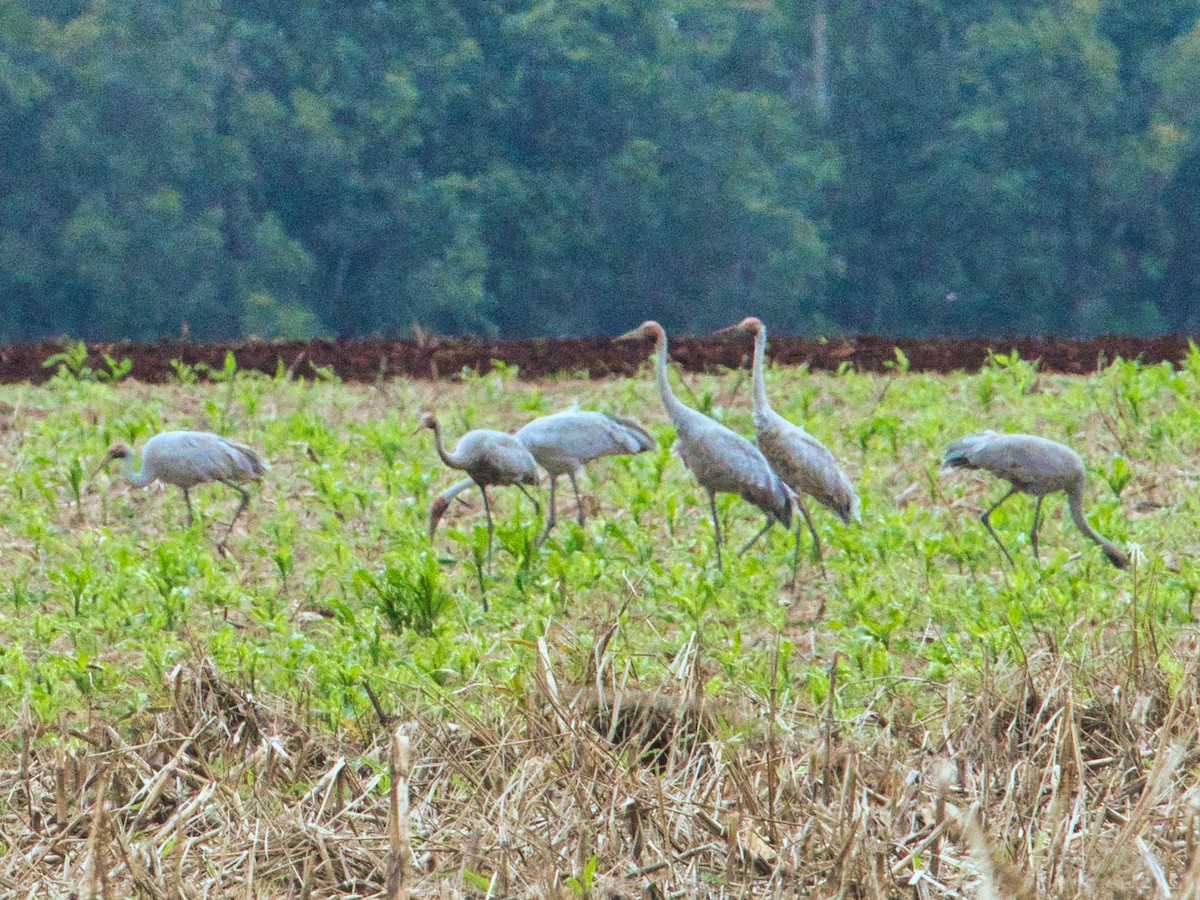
{"x": 620, "y": 718}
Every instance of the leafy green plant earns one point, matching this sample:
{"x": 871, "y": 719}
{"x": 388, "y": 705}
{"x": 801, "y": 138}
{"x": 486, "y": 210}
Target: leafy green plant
{"x": 584, "y": 884}
{"x": 71, "y": 362}
{"x": 114, "y": 369}
{"x": 409, "y": 596}
{"x": 1118, "y": 475}
{"x": 183, "y": 374}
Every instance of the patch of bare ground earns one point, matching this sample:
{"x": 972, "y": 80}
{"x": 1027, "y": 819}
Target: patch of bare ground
{"x": 1046, "y": 781}
{"x": 375, "y": 359}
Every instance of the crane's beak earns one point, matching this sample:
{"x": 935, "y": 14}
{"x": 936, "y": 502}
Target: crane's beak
{"x": 731, "y": 328}
{"x": 629, "y": 335}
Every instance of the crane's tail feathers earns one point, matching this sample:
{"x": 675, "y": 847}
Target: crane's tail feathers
{"x": 785, "y": 499}
{"x": 251, "y": 464}
{"x": 640, "y": 440}
{"x": 960, "y": 454}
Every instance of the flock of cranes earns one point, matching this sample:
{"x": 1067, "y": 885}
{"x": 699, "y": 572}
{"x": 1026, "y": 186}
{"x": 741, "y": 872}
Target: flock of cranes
{"x": 786, "y": 465}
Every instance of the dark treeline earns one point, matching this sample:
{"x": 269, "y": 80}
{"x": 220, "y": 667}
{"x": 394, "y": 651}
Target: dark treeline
{"x": 293, "y": 169}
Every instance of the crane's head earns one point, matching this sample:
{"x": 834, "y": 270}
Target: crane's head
{"x": 428, "y": 420}
{"x": 648, "y": 329}
{"x": 1117, "y": 556}
{"x": 750, "y": 324}
{"x": 437, "y": 509}
{"x": 117, "y": 451}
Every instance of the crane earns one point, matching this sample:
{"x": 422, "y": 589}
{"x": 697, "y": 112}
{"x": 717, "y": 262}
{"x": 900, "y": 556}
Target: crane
{"x": 490, "y": 458}
{"x": 804, "y": 464}
{"x": 562, "y": 443}
{"x": 721, "y": 460}
{"x": 188, "y": 458}
{"x": 1035, "y": 466}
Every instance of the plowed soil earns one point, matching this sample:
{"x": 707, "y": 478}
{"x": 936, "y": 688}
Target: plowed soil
{"x": 597, "y": 357}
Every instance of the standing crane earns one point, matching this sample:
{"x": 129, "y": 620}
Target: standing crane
{"x": 490, "y": 458}
{"x": 188, "y": 458}
{"x": 804, "y": 464}
{"x": 562, "y": 443}
{"x": 1035, "y": 466}
{"x": 722, "y": 460}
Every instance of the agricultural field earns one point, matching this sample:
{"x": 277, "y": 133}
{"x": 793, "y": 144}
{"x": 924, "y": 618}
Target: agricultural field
{"x": 340, "y": 708}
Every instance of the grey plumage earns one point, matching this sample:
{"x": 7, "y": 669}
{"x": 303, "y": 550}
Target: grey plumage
{"x": 801, "y": 461}
{"x": 721, "y": 460}
{"x": 1035, "y": 466}
{"x": 490, "y": 458}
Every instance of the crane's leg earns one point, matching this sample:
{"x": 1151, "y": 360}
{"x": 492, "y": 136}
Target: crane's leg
{"x": 1033, "y": 535}
{"x": 816, "y": 542}
{"x": 188, "y": 501}
{"x": 487, "y": 511}
{"x": 578, "y": 499}
{"x": 537, "y": 507}
{"x": 551, "y": 517}
{"x": 241, "y": 508}
{"x": 712, "y": 505}
{"x": 986, "y": 518}
{"x": 761, "y": 532}
{"x": 818, "y": 553}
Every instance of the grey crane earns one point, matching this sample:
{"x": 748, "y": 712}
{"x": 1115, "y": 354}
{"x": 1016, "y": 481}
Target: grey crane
{"x": 1035, "y": 466}
{"x": 722, "y": 460}
{"x": 562, "y": 443}
{"x": 188, "y": 458}
{"x": 803, "y": 463}
{"x": 490, "y": 458}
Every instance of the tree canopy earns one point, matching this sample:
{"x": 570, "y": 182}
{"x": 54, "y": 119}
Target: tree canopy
{"x": 550, "y": 167}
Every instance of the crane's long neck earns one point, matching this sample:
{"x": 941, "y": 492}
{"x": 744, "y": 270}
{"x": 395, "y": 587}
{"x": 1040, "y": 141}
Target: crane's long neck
{"x": 136, "y": 477}
{"x": 1075, "y": 501}
{"x": 760, "y": 382}
{"x": 449, "y": 459}
{"x": 675, "y": 409}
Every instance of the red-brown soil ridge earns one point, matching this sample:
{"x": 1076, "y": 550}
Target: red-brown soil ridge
{"x": 369, "y": 359}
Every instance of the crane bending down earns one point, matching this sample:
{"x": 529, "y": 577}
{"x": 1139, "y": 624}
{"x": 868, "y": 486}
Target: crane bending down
{"x": 803, "y": 463}
{"x": 490, "y": 458}
{"x": 562, "y": 443}
{"x": 722, "y": 460}
{"x": 1035, "y": 466}
{"x": 188, "y": 458}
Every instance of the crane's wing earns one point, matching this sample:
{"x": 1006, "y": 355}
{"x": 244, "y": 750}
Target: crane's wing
{"x": 635, "y": 438}
{"x": 1025, "y": 460}
{"x": 502, "y": 459}
{"x": 726, "y": 462}
{"x": 965, "y": 453}
{"x": 809, "y": 467}
{"x": 197, "y": 456}
{"x": 246, "y": 459}
{"x": 578, "y": 436}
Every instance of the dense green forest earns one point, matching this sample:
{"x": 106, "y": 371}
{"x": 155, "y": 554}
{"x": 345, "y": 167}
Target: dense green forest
{"x": 523, "y": 167}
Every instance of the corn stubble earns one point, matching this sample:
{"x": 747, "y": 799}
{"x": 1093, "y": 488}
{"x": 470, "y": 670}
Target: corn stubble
{"x": 332, "y": 713}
